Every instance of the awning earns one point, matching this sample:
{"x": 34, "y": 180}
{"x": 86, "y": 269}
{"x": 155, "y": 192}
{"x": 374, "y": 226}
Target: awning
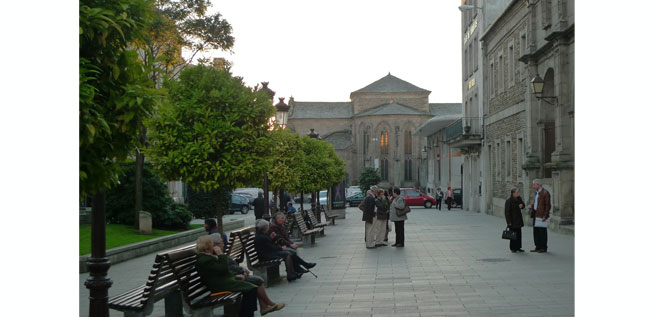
{"x": 435, "y": 124}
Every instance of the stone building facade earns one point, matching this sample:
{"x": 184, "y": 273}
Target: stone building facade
{"x": 474, "y": 22}
{"x": 526, "y": 137}
{"x": 374, "y": 129}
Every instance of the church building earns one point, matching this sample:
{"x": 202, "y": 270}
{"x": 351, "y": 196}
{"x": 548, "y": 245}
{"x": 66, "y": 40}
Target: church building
{"x": 376, "y": 128}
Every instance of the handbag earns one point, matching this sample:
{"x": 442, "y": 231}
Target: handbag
{"x": 509, "y": 234}
{"x": 403, "y": 212}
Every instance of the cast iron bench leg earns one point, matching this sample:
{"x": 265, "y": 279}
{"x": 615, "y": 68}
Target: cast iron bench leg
{"x": 173, "y": 304}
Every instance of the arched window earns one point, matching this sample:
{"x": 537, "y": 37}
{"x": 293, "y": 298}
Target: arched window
{"x": 408, "y": 169}
{"x": 408, "y": 142}
{"x": 384, "y": 142}
{"x": 384, "y": 169}
{"x": 365, "y": 143}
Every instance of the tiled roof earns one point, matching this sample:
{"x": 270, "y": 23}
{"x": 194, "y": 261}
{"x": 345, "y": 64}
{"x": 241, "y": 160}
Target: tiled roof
{"x": 442, "y": 109}
{"x": 306, "y": 110}
{"x": 340, "y": 139}
{"x": 391, "y": 83}
{"x": 390, "y": 109}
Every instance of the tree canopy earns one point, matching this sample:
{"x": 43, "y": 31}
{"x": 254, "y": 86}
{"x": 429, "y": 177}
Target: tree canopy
{"x": 322, "y": 167}
{"x": 214, "y": 133}
{"x": 115, "y": 95}
{"x": 286, "y": 160}
{"x": 368, "y": 178}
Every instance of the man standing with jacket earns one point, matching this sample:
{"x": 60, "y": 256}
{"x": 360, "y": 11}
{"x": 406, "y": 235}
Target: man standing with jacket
{"x": 368, "y": 216}
{"x": 260, "y": 206}
{"x": 541, "y": 210}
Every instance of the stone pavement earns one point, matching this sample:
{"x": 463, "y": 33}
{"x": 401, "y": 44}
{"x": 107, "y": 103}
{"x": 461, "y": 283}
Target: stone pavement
{"x": 454, "y": 264}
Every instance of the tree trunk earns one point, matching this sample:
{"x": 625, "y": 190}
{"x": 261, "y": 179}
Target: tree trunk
{"x": 282, "y": 202}
{"x": 138, "y": 178}
{"x": 302, "y": 202}
{"x": 98, "y": 264}
{"x": 219, "y": 210}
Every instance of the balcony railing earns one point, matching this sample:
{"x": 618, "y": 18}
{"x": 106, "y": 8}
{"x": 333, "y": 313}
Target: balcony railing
{"x": 464, "y": 126}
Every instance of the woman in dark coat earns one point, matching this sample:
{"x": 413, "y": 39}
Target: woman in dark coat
{"x": 514, "y": 218}
{"x": 213, "y": 269}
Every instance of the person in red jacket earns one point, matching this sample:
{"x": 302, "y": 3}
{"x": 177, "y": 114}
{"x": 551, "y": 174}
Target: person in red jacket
{"x": 541, "y": 210}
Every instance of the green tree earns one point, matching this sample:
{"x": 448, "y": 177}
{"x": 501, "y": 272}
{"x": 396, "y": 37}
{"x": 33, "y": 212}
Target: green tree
{"x": 214, "y": 134}
{"x": 368, "y": 178}
{"x": 177, "y": 25}
{"x": 115, "y": 95}
{"x": 286, "y": 162}
{"x": 322, "y": 167}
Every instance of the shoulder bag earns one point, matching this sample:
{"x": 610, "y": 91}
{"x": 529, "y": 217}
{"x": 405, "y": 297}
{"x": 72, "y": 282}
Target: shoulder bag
{"x": 509, "y": 234}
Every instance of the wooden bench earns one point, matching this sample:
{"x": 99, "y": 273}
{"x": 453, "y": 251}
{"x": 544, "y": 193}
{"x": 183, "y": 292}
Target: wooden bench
{"x": 196, "y": 297}
{"x": 302, "y": 227}
{"x": 328, "y": 216}
{"x": 268, "y": 270}
{"x": 234, "y": 248}
{"x": 161, "y": 284}
{"x": 316, "y": 223}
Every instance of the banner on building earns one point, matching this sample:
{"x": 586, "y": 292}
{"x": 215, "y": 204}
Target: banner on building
{"x": 338, "y": 195}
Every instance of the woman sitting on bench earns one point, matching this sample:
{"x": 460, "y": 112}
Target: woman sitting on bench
{"x": 213, "y": 269}
{"x": 267, "y": 250}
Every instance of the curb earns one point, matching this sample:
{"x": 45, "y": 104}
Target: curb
{"x": 134, "y": 250}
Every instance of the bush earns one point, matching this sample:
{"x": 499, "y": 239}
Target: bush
{"x": 203, "y": 205}
{"x": 166, "y": 214}
{"x": 368, "y": 178}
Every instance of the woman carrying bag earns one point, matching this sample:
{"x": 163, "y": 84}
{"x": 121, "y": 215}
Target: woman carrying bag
{"x": 514, "y": 218}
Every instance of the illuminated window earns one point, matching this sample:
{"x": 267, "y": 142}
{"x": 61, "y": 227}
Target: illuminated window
{"x": 384, "y": 142}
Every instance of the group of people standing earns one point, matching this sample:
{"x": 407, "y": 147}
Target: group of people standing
{"x": 449, "y": 197}
{"x": 539, "y": 212}
{"x": 378, "y": 208}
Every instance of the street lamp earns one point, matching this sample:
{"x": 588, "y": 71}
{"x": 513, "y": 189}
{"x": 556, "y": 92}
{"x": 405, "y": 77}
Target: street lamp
{"x": 282, "y": 113}
{"x": 267, "y": 214}
{"x": 538, "y": 89}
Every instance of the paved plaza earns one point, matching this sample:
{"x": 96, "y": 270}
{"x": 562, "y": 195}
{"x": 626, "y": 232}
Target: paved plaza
{"x": 454, "y": 264}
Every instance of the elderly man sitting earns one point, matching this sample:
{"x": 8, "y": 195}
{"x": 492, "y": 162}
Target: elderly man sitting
{"x": 267, "y": 250}
{"x": 279, "y": 233}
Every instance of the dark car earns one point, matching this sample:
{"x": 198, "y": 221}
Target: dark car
{"x": 239, "y": 203}
{"x": 354, "y": 199}
{"x": 414, "y": 197}
{"x": 457, "y": 192}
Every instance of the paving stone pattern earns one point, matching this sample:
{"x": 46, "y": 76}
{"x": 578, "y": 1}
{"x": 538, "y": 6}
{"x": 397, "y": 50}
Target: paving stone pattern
{"x": 454, "y": 264}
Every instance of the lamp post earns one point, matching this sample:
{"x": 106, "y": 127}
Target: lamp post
{"x": 267, "y": 214}
{"x": 282, "y": 113}
{"x": 537, "y": 84}
{"x": 315, "y": 199}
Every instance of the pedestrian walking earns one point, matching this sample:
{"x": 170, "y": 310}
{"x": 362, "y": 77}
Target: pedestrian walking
{"x": 438, "y": 196}
{"x": 381, "y": 215}
{"x": 368, "y": 216}
{"x": 514, "y": 218}
{"x": 398, "y": 204}
{"x": 540, "y": 211}
{"x": 450, "y": 197}
{"x": 260, "y": 205}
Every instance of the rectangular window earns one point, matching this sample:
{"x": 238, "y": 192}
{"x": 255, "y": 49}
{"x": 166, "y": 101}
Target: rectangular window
{"x": 492, "y": 78}
{"x": 475, "y": 54}
{"x": 498, "y": 173}
{"x": 519, "y": 157}
{"x": 508, "y": 159}
{"x": 501, "y": 73}
{"x": 510, "y": 67}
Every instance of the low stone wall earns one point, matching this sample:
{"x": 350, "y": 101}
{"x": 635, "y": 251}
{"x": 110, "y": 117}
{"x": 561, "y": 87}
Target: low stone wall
{"x": 131, "y": 251}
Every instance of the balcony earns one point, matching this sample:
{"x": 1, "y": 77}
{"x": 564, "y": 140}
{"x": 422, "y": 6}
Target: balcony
{"x": 465, "y": 133}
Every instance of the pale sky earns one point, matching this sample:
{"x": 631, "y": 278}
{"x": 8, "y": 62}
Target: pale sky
{"x": 324, "y": 50}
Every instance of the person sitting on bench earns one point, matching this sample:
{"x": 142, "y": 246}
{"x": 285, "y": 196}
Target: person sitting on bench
{"x": 267, "y": 250}
{"x": 212, "y": 266}
{"x": 280, "y": 235}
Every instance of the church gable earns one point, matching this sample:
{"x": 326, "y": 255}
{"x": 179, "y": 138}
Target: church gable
{"x": 390, "y": 83}
{"x": 392, "y": 108}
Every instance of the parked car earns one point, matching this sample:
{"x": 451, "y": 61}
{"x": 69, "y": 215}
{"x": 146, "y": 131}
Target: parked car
{"x": 354, "y": 199}
{"x": 414, "y": 197}
{"x": 457, "y": 192}
{"x": 251, "y": 193}
{"x": 239, "y": 203}
{"x": 351, "y": 190}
